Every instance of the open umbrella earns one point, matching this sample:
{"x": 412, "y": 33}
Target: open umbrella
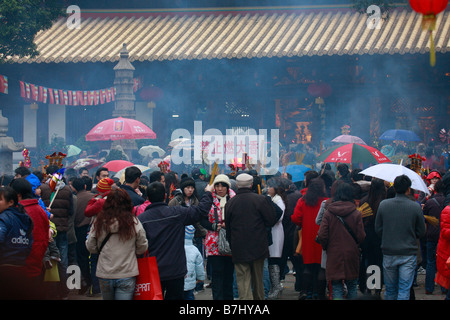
{"x": 398, "y": 134}
{"x": 117, "y": 165}
{"x": 297, "y": 171}
{"x": 346, "y": 138}
{"x": 353, "y": 153}
{"x": 118, "y": 129}
{"x": 389, "y": 171}
{"x": 143, "y": 169}
{"x": 72, "y": 150}
{"x": 183, "y": 141}
{"x": 149, "y": 150}
{"x": 86, "y": 162}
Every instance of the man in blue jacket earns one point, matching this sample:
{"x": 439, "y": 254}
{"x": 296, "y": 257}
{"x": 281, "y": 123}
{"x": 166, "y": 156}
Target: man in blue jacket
{"x": 165, "y": 228}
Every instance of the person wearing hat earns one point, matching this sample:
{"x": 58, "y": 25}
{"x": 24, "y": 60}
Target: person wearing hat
{"x": 199, "y": 176}
{"x": 94, "y": 206}
{"x": 194, "y": 264}
{"x": 222, "y": 269}
{"x": 431, "y": 179}
{"x": 188, "y": 195}
{"x": 247, "y": 217}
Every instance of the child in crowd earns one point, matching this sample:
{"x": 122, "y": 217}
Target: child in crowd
{"x": 194, "y": 262}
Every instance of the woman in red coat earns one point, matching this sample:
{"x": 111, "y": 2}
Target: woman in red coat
{"x": 304, "y": 216}
{"x": 443, "y": 252}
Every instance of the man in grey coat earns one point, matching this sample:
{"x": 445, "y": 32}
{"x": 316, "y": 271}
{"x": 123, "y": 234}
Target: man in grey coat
{"x": 400, "y": 224}
{"x": 248, "y": 216}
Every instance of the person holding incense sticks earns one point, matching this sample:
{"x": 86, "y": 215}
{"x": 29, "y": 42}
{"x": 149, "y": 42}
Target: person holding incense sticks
{"x": 61, "y": 200}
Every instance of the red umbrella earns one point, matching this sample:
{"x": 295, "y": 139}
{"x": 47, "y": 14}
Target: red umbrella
{"x": 353, "y": 153}
{"x": 120, "y": 128}
{"x": 117, "y": 165}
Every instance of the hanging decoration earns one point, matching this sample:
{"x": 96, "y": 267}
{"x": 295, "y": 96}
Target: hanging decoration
{"x": 37, "y": 93}
{"x": 43, "y": 94}
{"x": 429, "y": 9}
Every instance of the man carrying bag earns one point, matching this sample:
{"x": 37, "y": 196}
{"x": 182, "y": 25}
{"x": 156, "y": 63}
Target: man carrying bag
{"x": 164, "y": 227}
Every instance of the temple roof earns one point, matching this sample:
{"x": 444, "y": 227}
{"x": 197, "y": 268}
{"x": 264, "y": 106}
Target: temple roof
{"x": 232, "y": 33}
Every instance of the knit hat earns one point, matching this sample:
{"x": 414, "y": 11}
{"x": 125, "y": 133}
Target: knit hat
{"x": 244, "y": 180}
{"x": 186, "y": 182}
{"x": 189, "y": 232}
{"x": 104, "y": 185}
{"x": 222, "y": 178}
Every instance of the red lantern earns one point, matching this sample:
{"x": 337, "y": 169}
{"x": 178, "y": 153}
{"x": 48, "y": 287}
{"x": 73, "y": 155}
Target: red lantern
{"x": 429, "y": 9}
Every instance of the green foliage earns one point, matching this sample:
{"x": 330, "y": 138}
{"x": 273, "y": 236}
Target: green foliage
{"x": 21, "y": 20}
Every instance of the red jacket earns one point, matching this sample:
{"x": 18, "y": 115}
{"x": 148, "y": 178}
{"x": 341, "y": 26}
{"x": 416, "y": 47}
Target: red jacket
{"x": 443, "y": 250}
{"x": 305, "y": 217}
{"x": 95, "y": 205}
{"x": 40, "y": 236}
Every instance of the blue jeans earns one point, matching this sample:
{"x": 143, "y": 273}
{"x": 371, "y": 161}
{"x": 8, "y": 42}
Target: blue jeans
{"x": 338, "y": 289}
{"x": 189, "y": 295}
{"x": 431, "y": 266}
{"x": 398, "y": 276}
{"x": 118, "y": 289}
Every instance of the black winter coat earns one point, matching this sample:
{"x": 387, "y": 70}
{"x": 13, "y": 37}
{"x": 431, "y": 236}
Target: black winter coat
{"x": 247, "y": 216}
{"x": 433, "y": 207}
{"x": 164, "y": 227}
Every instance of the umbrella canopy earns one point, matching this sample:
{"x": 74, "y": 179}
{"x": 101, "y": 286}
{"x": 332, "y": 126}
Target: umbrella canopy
{"x": 397, "y": 134}
{"x": 72, "y": 150}
{"x": 346, "y": 138}
{"x": 353, "y": 153}
{"x": 149, "y": 150}
{"x": 117, "y": 165}
{"x": 389, "y": 171}
{"x": 184, "y": 141}
{"x": 86, "y": 162}
{"x": 118, "y": 129}
{"x": 141, "y": 167}
{"x": 297, "y": 171}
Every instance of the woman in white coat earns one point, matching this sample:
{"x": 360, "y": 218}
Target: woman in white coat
{"x": 276, "y": 190}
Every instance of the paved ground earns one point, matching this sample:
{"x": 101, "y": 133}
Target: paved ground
{"x": 289, "y": 292}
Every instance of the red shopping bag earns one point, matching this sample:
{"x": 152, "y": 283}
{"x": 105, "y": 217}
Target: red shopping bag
{"x": 148, "y": 285}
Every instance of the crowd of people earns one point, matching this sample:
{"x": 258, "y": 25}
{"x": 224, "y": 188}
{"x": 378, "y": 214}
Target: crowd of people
{"x": 237, "y": 230}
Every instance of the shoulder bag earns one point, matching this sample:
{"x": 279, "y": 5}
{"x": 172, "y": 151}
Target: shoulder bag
{"x": 222, "y": 243}
{"x": 347, "y": 227}
{"x": 104, "y": 242}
